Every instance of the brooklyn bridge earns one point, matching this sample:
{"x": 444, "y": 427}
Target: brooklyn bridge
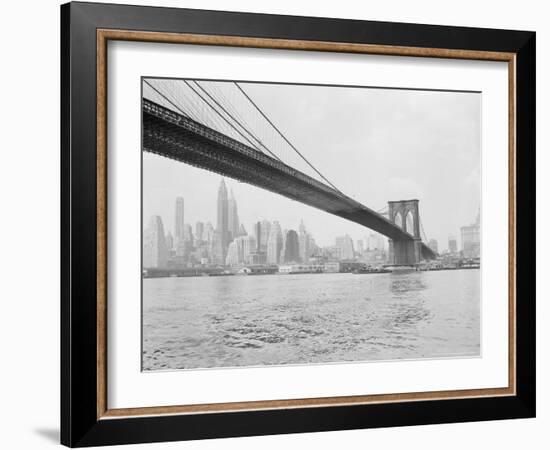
{"x": 201, "y": 124}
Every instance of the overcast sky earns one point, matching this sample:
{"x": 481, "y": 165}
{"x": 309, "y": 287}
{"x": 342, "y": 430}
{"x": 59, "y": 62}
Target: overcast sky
{"x": 375, "y": 145}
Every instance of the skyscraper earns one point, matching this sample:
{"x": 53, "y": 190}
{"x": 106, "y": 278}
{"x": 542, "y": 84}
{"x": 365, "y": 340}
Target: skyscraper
{"x": 208, "y": 233}
{"x": 303, "y": 240}
{"x": 274, "y": 244}
{"x": 257, "y": 235}
{"x": 291, "y": 247}
{"x": 360, "y": 248}
{"x": 375, "y": 241}
{"x": 178, "y": 223}
{"x": 239, "y": 250}
{"x": 218, "y": 253}
{"x": 249, "y": 248}
{"x": 266, "y": 230}
{"x": 188, "y": 234}
{"x": 452, "y": 244}
{"x": 261, "y": 234}
{"x": 155, "y": 254}
{"x": 432, "y": 243}
{"x": 222, "y": 221}
{"x": 471, "y": 239}
{"x": 233, "y": 217}
{"x": 199, "y": 231}
{"x": 345, "y": 247}
{"x": 169, "y": 242}
{"x": 233, "y": 258}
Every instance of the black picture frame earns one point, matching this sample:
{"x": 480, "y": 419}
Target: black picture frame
{"x": 80, "y": 425}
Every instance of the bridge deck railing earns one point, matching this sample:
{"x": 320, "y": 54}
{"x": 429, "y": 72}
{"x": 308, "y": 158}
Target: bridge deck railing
{"x": 202, "y": 130}
{"x": 192, "y": 125}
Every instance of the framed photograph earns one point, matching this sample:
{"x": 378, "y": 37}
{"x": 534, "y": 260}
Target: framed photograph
{"x": 276, "y": 224}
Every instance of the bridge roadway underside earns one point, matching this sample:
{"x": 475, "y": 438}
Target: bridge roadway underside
{"x": 174, "y": 136}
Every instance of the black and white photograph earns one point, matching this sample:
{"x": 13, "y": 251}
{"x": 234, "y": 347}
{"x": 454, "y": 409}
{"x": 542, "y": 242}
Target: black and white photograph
{"x": 308, "y": 224}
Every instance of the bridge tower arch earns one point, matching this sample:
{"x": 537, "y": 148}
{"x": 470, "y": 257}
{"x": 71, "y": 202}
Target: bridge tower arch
{"x": 405, "y": 213}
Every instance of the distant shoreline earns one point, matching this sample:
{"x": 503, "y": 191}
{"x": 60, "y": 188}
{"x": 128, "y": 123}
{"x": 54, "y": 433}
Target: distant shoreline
{"x": 231, "y": 274}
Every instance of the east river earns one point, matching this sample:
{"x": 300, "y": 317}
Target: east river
{"x": 227, "y": 321}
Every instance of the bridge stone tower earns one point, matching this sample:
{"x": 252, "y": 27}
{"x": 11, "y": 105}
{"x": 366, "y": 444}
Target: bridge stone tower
{"x": 405, "y": 252}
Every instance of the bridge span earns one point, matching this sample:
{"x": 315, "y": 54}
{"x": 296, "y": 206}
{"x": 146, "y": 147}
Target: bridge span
{"x": 173, "y": 135}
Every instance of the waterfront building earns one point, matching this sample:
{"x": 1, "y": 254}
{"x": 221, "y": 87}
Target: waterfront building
{"x": 188, "y": 233}
{"x": 345, "y": 247}
{"x": 274, "y": 244}
{"x": 453, "y": 248}
{"x": 331, "y": 267}
{"x": 471, "y": 239}
{"x": 233, "y": 258}
{"x": 178, "y": 222}
{"x": 218, "y": 252}
{"x": 249, "y": 247}
{"x": 257, "y": 227}
{"x": 258, "y": 270}
{"x": 330, "y": 253}
{"x": 433, "y": 245}
{"x": 232, "y": 217}
{"x": 155, "y": 253}
{"x": 375, "y": 241}
{"x": 375, "y": 256}
{"x": 208, "y": 233}
{"x": 239, "y": 250}
{"x": 360, "y": 247}
{"x": 301, "y": 268}
{"x": 291, "y": 247}
{"x": 222, "y": 227}
{"x": 304, "y": 241}
{"x": 169, "y": 242}
{"x": 199, "y": 231}
{"x": 261, "y": 233}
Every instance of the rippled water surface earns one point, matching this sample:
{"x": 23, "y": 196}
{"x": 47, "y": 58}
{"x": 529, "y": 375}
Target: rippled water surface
{"x": 208, "y": 322}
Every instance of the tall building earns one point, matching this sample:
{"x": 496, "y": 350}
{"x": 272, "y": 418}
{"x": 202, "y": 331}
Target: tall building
{"x": 260, "y": 252}
{"x": 249, "y": 248}
{"x": 453, "y": 248}
{"x": 274, "y": 244}
{"x": 471, "y": 239}
{"x": 242, "y": 230}
{"x": 375, "y": 241}
{"x": 235, "y": 255}
{"x": 233, "y": 217}
{"x": 222, "y": 227}
{"x": 433, "y": 245}
{"x": 291, "y": 247}
{"x": 155, "y": 253}
{"x": 208, "y": 233}
{"x": 199, "y": 231}
{"x": 169, "y": 242}
{"x": 188, "y": 233}
{"x": 303, "y": 240}
{"x": 345, "y": 247}
{"x": 178, "y": 223}
{"x": 218, "y": 251}
{"x": 261, "y": 234}
{"x": 360, "y": 247}
{"x": 257, "y": 227}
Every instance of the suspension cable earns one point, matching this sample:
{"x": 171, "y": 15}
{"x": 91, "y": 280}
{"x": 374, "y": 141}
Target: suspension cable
{"x": 235, "y": 120}
{"x": 284, "y": 137}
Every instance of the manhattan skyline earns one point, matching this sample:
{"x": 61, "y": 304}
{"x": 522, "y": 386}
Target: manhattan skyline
{"x": 375, "y": 145}
{"x": 225, "y": 220}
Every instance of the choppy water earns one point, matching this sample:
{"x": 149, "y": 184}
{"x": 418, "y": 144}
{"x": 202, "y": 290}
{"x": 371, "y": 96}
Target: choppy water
{"x": 206, "y": 322}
